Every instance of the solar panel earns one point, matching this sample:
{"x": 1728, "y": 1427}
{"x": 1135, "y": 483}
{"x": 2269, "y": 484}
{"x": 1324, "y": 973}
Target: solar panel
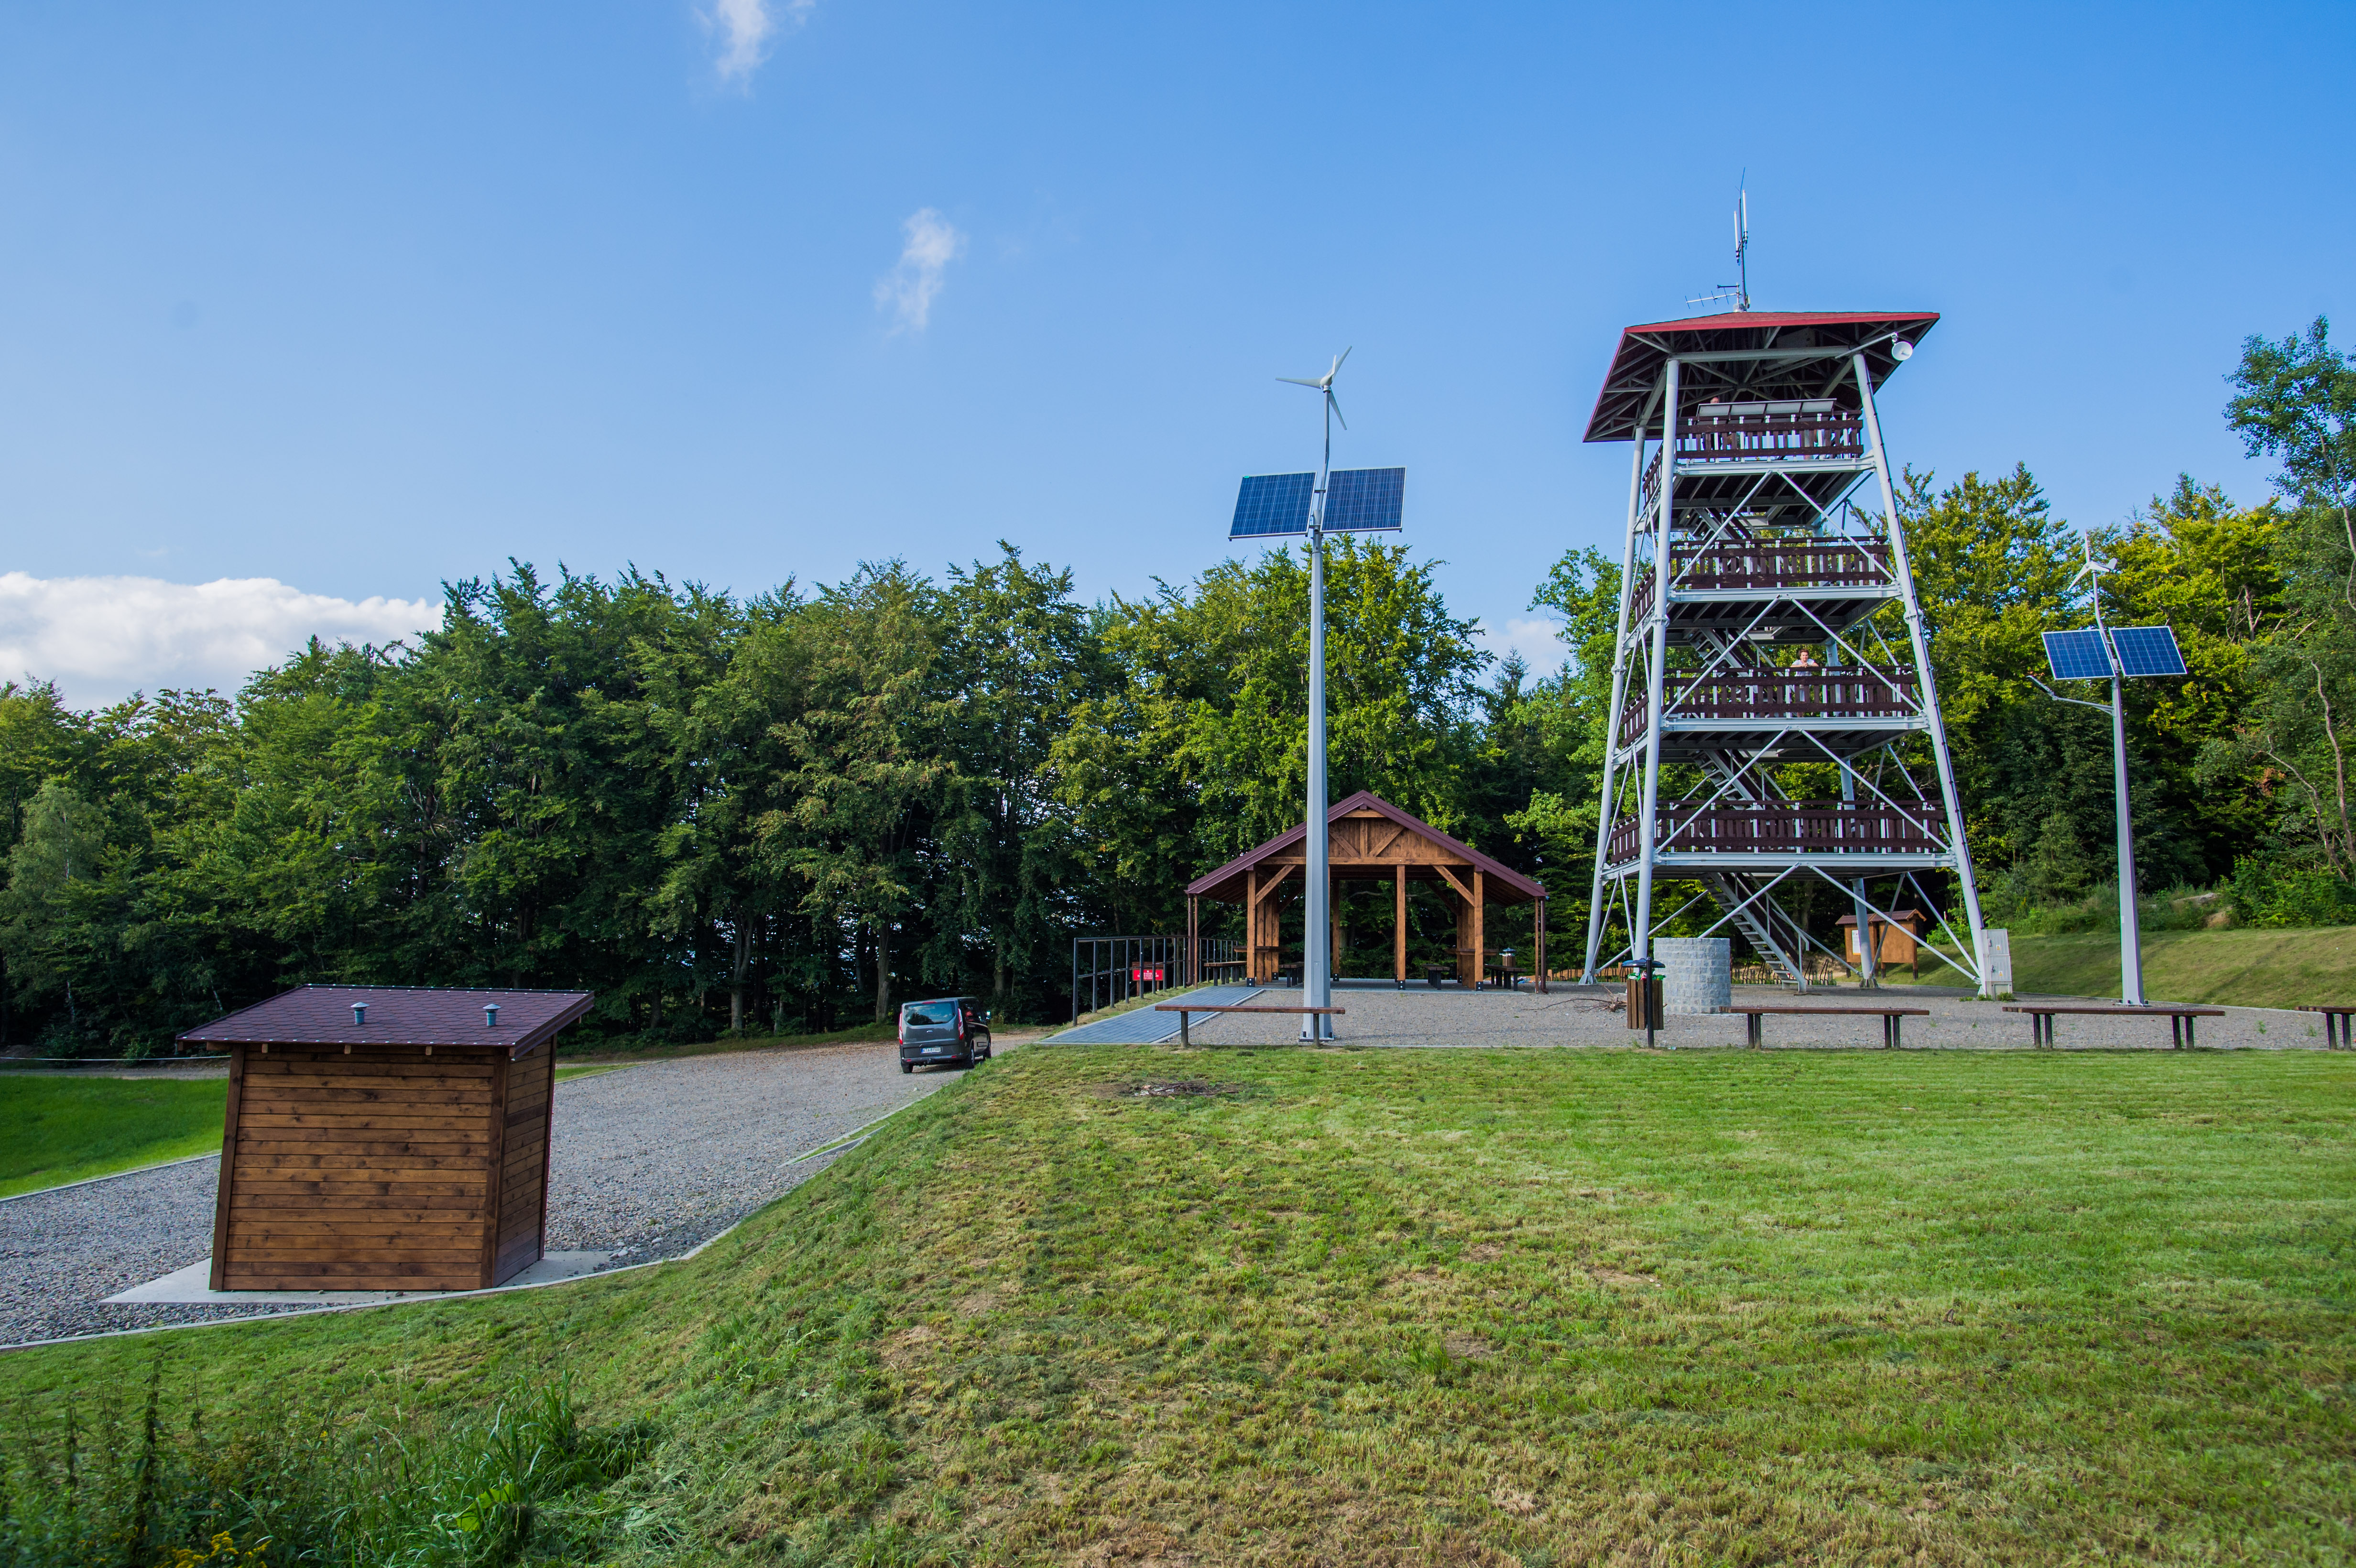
{"x": 1273, "y": 504}
{"x": 2077, "y": 655}
{"x": 1365, "y": 500}
{"x": 2148, "y": 650}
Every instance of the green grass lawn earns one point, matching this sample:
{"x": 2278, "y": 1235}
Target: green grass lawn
{"x": 64, "y": 1129}
{"x": 1530, "y": 1308}
{"x": 2245, "y": 968}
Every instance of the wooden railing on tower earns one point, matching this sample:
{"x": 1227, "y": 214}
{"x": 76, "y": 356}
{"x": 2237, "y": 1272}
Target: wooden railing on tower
{"x": 1769, "y": 695}
{"x": 1771, "y": 564}
{"x": 1782, "y": 828}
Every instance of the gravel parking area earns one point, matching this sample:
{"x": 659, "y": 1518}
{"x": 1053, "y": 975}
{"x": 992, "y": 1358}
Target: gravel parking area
{"x": 1378, "y": 1015}
{"x": 647, "y": 1161}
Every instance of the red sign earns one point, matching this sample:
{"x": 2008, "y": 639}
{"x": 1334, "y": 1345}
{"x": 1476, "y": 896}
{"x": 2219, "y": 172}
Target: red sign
{"x": 1145, "y": 976}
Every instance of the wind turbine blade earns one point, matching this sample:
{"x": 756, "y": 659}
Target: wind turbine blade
{"x": 1296, "y": 381}
{"x": 1335, "y": 404}
{"x": 1337, "y": 363}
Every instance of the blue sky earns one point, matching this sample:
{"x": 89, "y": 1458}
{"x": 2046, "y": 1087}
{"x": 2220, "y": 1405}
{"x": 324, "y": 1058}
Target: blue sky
{"x": 367, "y": 297}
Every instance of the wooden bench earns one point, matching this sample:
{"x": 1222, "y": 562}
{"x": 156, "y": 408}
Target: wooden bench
{"x": 1182, "y": 1008}
{"x": 2180, "y": 1020}
{"x": 2335, "y": 1025}
{"x": 1753, "y": 1012}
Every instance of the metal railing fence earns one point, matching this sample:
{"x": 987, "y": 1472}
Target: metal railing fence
{"x": 1110, "y": 970}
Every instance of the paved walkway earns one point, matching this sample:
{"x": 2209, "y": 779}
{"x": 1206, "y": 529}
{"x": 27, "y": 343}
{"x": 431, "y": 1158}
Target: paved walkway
{"x": 1379, "y": 1014}
{"x": 646, "y": 1161}
{"x": 1143, "y": 1026}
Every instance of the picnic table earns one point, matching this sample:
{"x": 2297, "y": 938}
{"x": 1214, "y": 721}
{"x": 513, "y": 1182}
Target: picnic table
{"x": 2180, "y": 1020}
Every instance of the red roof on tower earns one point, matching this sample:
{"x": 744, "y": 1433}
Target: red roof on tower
{"x": 1752, "y": 356}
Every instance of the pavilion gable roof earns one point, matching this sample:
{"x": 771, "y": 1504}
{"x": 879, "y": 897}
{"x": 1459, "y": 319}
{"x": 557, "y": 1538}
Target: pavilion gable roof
{"x": 1520, "y": 885}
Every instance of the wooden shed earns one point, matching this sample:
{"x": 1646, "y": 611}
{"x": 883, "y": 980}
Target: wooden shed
{"x": 385, "y": 1137}
{"x": 1894, "y": 938}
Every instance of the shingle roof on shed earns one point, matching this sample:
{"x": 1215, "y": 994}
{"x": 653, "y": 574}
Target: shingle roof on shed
{"x": 399, "y": 1015}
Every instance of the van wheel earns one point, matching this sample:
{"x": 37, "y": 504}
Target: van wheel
{"x": 908, "y": 1067}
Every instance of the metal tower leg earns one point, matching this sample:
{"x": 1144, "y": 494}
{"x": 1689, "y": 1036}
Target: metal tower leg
{"x": 1902, "y": 569}
{"x": 1619, "y": 698}
{"x": 1868, "y": 957}
{"x": 1640, "y": 940}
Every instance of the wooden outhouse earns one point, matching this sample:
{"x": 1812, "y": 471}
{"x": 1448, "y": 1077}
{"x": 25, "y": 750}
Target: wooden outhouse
{"x": 384, "y": 1137}
{"x": 1894, "y": 938}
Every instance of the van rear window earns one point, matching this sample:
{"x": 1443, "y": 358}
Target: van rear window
{"x": 923, "y": 1016}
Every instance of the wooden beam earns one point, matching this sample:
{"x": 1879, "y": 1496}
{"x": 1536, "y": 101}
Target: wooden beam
{"x": 1449, "y": 878}
{"x": 1270, "y": 885}
{"x": 1398, "y": 922}
{"x": 1480, "y": 927}
{"x": 1464, "y": 934}
{"x": 1541, "y": 946}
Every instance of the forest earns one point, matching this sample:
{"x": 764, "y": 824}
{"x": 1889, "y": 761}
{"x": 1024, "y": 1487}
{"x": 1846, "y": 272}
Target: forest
{"x": 784, "y": 812}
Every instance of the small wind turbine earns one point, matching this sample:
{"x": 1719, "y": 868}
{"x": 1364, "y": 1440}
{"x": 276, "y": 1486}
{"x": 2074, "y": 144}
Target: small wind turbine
{"x": 1324, "y": 384}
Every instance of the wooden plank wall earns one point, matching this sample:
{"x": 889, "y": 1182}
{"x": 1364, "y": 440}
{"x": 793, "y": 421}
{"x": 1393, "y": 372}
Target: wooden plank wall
{"x": 366, "y": 1171}
{"x": 524, "y": 1165}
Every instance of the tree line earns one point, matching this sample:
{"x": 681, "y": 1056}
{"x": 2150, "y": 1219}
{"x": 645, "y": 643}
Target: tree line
{"x": 788, "y": 811}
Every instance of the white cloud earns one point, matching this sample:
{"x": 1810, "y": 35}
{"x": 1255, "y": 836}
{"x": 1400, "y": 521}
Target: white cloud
{"x": 747, "y": 27}
{"x": 908, "y": 289}
{"x": 1539, "y": 642}
{"x": 102, "y": 638}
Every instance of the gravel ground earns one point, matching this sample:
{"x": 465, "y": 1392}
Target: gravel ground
{"x": 647, "y": 1161}
{"x": 1378, "y": 1015}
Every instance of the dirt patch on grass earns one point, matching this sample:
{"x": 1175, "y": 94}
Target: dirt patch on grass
{"x": 1165, "y": 1089}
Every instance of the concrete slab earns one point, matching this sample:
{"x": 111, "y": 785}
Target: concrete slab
{"x": 188, "y": 1287}
{"x": 1143, "y": 1026}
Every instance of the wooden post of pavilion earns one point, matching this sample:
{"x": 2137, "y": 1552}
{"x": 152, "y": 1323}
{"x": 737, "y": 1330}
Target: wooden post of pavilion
{"x": 1398, "y": 922}
{"x": 1480, "y": 927}
{"x": 1540, "y": 942}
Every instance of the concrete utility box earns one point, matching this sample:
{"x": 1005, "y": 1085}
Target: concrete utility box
{"x": 1696, "y": 974}
{"x": 1996, "y": 959}
{"x": 386, "y": 1138}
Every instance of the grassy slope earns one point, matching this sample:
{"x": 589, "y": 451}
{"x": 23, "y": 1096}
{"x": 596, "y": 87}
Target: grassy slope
{"x": 1470, "y": 1306}
{"x": 64, "y": 1129}
{"x": 2247, "y": 968}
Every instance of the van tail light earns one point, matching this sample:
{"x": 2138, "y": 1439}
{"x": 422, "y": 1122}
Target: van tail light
{"x": 961, "y": 1023}
{"x": 903, "y": 1028}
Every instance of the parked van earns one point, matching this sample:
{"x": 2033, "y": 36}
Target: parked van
{"x": 947, "y": 1030}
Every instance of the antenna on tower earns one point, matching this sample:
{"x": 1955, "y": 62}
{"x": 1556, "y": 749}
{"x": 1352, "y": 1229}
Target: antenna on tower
{"x": 1738, "y": 291}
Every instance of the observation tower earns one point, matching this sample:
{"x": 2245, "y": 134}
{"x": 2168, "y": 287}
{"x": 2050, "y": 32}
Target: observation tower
{"x": 1774, "y": 725}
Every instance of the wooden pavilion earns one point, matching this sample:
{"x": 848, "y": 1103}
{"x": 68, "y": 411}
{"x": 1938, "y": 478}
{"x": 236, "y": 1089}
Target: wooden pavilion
{"x": 385, "y": 1137}
{"x": 1368, "y": 841}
